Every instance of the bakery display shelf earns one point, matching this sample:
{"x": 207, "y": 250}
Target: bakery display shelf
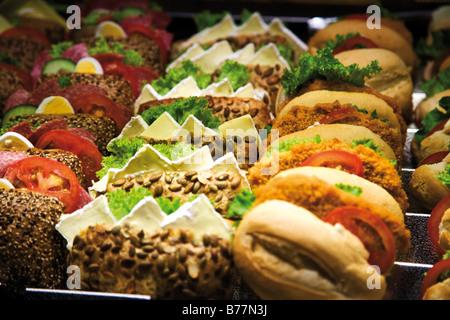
{"x": 407, "y": 273}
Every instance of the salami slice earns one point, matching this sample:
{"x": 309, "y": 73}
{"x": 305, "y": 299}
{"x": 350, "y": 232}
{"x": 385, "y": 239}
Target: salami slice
{"x": 20, "y": 96}
{"x": 39, "y": 63}
{"x": 144, "y": 20}
{"x": 72, "y": 92}
{"x": 23, "y": 128}
{"x": 45, "y": 127}
{"x": 76, "y": 52}
{"x": 83, "y": 199}
{"x": 84, "y": 134}
{"x": 44, "y": 90}
{"x": 8, "y": 158}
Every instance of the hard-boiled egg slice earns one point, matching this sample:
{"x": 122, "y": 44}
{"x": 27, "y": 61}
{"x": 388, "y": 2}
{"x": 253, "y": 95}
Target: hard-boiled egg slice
{"x": 14, "y": 141}
{"x": 89, "y": 65}
{"x": 5, "y": 184}
{"x": 55, "y": 104}
{"x": 110, "y": 29}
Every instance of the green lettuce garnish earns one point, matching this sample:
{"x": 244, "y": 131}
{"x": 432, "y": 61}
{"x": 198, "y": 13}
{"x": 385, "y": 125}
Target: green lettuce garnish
{"x": 180, "y": 110}
{"x": 163, "y": 85}
{"x": 58, "y": 49}
{"x": 93, "y": 17}
{"x": 354, "y": 190}
{"x": 206, "y": 18}
{"x": 122, "y": 150}
{"x": 236, "y": 73}
{"x": 122, "y": 202}
{"x": 369, "y": 143}
{"x": 168, "y": 205}
{"x": 285, "y": 145}
{"x": 64, "y": 82}
{"x": 240, "y": 205}
{"x": 130, "y": 57}
{"x": 433, "y": 118}
{"x": 444, "y": 176}
{"x": 324, "y": 66}
{"x": 340, "y": 39}
{"x": 175, "y": 151}
{"x": 4, "y": 58}
{"x": 437, "y": 84}
{"x": 440, "y": 43}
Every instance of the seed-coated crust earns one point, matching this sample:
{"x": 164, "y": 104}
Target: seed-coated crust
{"x": 376, "y": 168}
{"x": 321, "y": 198}
{"x": 226, "y": 108}
{"x": 104, "y": 129}
{"x": 117, "y": 88}
{"x": 169, "y": 264}
{"x": 25, "y": 50}
{"x": 32, "y": 252}
{"x": 9, "y": 83}
{"x": 220, "y": 187}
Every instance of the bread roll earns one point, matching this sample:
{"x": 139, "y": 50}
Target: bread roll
{"x": 285, "y": 252}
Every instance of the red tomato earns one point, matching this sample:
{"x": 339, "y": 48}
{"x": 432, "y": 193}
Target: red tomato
{"x": 46, "y": 176}
{"x": 434, "y": 158}
{"x": 26, "y": 32}
{"x": 356, "y": 16}
{"x": 152, "y": 34}
{"x": 435, "y": 219}
{"x": 354, "y": 43}
{"x": 101, "y": 106}
{"x": 438, "y": 127}
{"x": 338, "y": 159}
{"x": 119, "y": 69}
{"x": 105, "y": 58}
{"x": 85, "y": 150}
{"x": 24, "y": 76}
{"x": 433, "y": 274}
{"x": 339, "y": 114}
{"x": 370, "y": 229}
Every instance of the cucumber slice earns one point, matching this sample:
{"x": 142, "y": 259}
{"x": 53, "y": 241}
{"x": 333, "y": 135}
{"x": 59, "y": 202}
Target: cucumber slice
{"x": 58, "y": 64}
{"x": 17, "y": 111}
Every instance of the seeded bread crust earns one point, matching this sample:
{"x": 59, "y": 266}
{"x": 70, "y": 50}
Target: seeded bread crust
{"x": 26, "y": 51}
{"x": 221, "y": 187}
{"x": 104, "y": 129}
{"x": 170, "y": 264}
{"x": 32, "y": 252}
{"x": 117, "y": 88}
{"x": 9, "y": 83}
{"x": 227, "y": 108}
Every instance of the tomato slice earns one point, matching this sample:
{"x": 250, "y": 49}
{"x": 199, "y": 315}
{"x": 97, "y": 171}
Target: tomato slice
{"x": 150, "y": 33}
{"x": 354, "y": 43}
{"x": 435, "y": 219}
{"x": 434, "y": 158}
{"x": 433, "y": 275}
{"x": 437, "y": 127}
{"x": 46, "y": 176}
{"x": 24, "y": 77}
{"x": 85, "y": 150}
{"x": 101, "y": 106}
{"x": 26, "y": 32}
{"x": 337, "y": 159}
{"x": 339, "y": 114}
{"x": 370, "y": 229}
{"x": 119, "y": 69}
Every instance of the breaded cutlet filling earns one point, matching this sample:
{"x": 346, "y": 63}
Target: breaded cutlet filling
{"x": 337, "y": 85}
{"x": 321, "y": 198}
{"x": 300, "y": 118}
{"x": 377, "y": 169}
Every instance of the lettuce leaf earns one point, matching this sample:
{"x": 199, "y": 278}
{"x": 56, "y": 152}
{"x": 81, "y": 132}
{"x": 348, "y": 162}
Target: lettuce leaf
{"x": 437, "y": 84}
{"x": 130, "y": 57}
{"x": 236, "y": 73}
{"x": 122, "y": 202}
{"x": 175, "y": 151}
{"x": 440, "y": 43}
{"x": 164, "y": 84}
{"x": 324, "y": 66}
{"x": 121, "y": 149}
{"x": 354, "y": 190}
{"x": 57, "y": 49}
{"x": 444, "y": 176}
{"x": 240, "y": 205}
{"x": 433, "y": 118}
{"x": 168, "y": 205}
{"x": 180, "y": 110}
{"x": 285, "y": 145}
